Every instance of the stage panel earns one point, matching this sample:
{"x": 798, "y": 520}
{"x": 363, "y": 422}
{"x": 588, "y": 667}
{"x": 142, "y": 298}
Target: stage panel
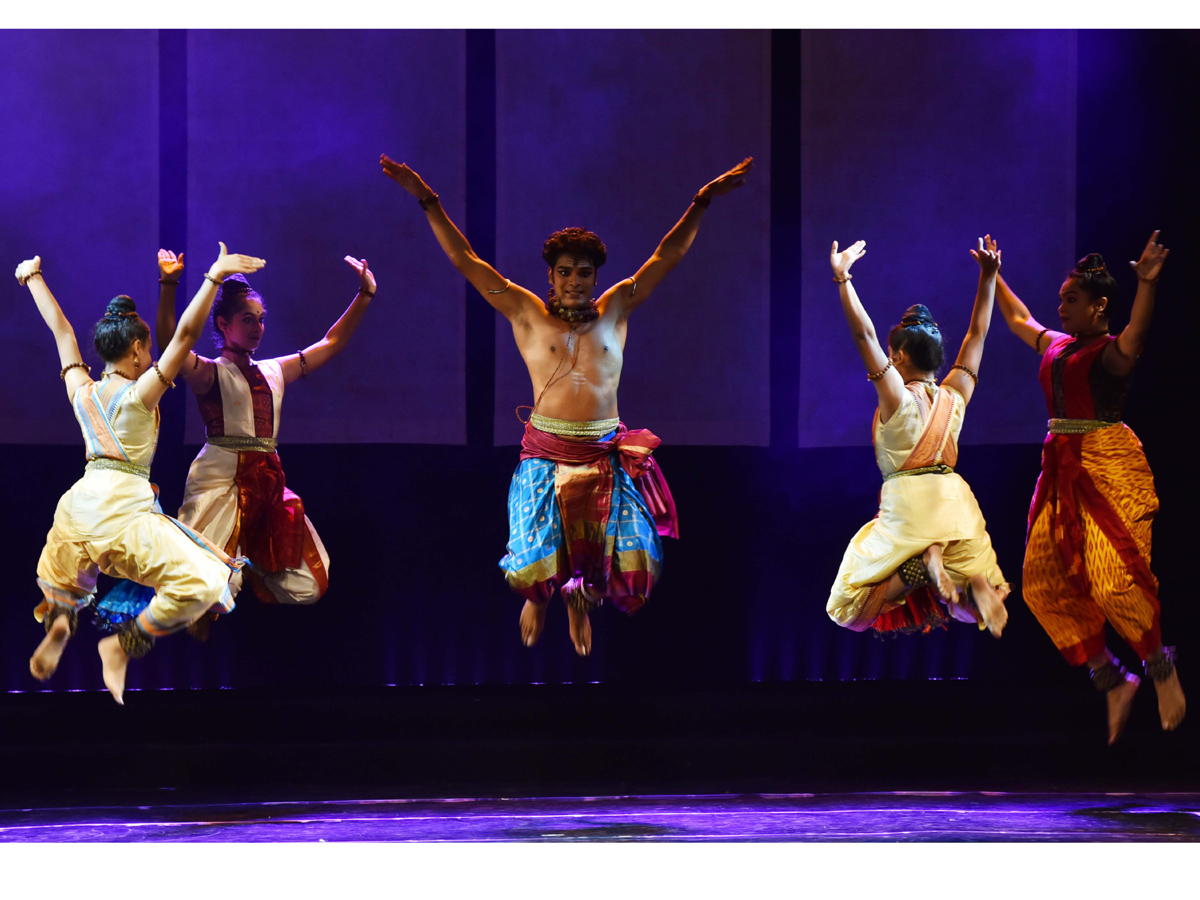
{"x": 80, "y": 189}
{"x": 615, "y": 131}
{"x": 919, "y": 143}
{"x": 285, "y": 129}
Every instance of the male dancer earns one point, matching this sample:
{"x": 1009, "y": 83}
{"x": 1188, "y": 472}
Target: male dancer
{"x": 587, "y": 503}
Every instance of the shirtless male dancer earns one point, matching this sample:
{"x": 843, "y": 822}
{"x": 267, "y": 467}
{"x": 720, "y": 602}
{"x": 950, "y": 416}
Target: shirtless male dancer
{"x": 587, "y": 503}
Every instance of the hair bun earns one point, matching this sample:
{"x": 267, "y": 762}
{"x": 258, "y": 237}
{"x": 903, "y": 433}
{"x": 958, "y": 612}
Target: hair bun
{"x": 120, "y": 307}
{"x": 1092, "y": 263}
{"x": 918, "y": 315}
{"x": 237, "y": 282}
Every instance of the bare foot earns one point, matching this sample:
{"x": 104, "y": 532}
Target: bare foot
{"x": 991, "y": 605}
{"x": 1171, "y": 703}
{"x": 932, "y": 557}
{"x": 1120, "y": 702}
{"x": 581, "y": 631}
{"x": 45, "y": 658}
{"x": 533, "y": 620}
{"x": 113, "y": 660}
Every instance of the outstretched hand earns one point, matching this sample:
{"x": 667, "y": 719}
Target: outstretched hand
{"x": 228, "y": 263}
{"x": 169, "y": 264}
{"x": 842, "y": 262}
{"x": 1152, "y": 259}
{"x": 404, "y": 176}
{"x": 26, "y": 269}
{"x": 734, "y": 178}
{"x": 365, "y": 279}
{"x": 987, "y": 255}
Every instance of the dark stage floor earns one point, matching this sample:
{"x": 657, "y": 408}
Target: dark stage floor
{"x": 910, "y": 817}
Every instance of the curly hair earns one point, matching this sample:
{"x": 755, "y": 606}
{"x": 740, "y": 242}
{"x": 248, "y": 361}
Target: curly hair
{"x": 1092, "y": 275}
{"x": 232, "y": 295}
{"x": 919, "y": 336}
{"x": 119, "y": 328}
{"x": 576, "y": 242}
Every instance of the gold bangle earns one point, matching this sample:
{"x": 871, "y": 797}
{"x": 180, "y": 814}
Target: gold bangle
{"x": 213, "y": 280}
{"x": 74, "y": 365}
{"x": 837, "y": 280}
{"x": 880, "y": 373}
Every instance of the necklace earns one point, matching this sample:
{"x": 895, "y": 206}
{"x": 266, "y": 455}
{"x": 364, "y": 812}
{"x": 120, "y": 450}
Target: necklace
{"x": 574, "y": 316}
{"x": 118, "y": 372}
{"x": 566, "y": 352}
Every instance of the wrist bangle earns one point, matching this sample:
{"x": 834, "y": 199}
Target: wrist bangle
{"x": 31, "y": 274}
{"x": 428, "y": 201}
{"x": 364, "y": 292}
{"x": 213, "y": 280}
{"x": 1147, "y": 280}
{"x": 168, "y": 281}
{"x": 702, "y": 202}
{"x": 843, "y": 280}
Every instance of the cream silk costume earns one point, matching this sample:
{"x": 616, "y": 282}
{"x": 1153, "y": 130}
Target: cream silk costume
{"x": 916, "y": 510}
{"x": 109, "y": 521}
{"x": 227, "y": 484}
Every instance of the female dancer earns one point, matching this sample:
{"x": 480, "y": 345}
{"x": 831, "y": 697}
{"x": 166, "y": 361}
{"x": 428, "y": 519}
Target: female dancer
{"x": 110, "y": 520}
{"x": 929, "y": 530}
{"x": 235, "y": 494}
{"x": 1087, "y": 554}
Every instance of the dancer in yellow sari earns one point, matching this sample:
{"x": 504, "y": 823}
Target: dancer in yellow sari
{"x": 109, "y": 520}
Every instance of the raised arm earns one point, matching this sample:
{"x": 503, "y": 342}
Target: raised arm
{"x": 632, "y": 292}
{"x": 511, "y": 300}
{"x": 1020, "y": 322}
{"x": 29, "y": 273}
{"x": 1132, "y": 339}
{"x": 880, "y": 371}
{"x": 154, "y": 383}
{"x": 334, "y": 342}
{"x": 170, "y": 270}
{"x": 963, "y": 375}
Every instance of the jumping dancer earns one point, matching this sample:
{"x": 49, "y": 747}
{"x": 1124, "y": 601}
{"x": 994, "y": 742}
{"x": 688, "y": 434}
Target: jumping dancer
{"x": 109, "y": 521}
{"x": 929, "y": 531}
{"x": 1087, "y": 553}
{"x": 587, "y": 503}
{"x": 235, "y": 493}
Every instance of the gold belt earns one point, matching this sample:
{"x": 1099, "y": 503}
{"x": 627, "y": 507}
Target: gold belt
{"x": 566, "y": 428}
{"x": 245, "y": 442}
{"x": 118, "y": 465}
{"x": 940, "y": 469}
{"x": 1076, "y": 426}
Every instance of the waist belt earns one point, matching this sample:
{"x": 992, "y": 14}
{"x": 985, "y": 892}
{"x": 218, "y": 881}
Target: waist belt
{"x": 565, "y": 428}
{"x": 1076, "y": 426}
{"x": 939, "y": 469}
{"x": 118, "y": 465}
{"x": 245, "y": 442}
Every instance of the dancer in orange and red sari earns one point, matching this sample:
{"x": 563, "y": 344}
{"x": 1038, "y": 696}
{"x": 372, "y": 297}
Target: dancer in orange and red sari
{"x": 235, "y": 494}
{"x": 1087, "y": 557}
{"x": 904, "y": 569}
{"x": 587, "y": 504}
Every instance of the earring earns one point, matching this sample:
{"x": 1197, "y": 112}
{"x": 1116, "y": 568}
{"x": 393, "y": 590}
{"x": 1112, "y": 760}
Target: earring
{"x": 550, "y": 293}
{"x": 137, "y": 364}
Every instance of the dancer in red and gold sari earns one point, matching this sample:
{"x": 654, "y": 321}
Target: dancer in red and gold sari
{"x": 1087, "y": 557}
{"x": 929, "y": 540}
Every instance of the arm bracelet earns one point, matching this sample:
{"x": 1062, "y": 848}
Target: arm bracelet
{"x": 972, "y": 375}
{"x": 880, "y": 373}
{"x": 75, "y": 365}
{"x": 303, "y": 364}
{"x": 1037, "y": 345}
{"x": 161, "y": 376}
{"x": 507, "y": 285}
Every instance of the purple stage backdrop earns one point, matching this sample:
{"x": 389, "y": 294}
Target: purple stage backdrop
{"x": 615, "y": 131}
{"x": 920, "y": 142}
{"x": 79, "y": 188}
{"x": 284, "y": 130}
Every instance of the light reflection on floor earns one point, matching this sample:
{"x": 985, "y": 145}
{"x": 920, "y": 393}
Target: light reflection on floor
{"x": 793, "y": 817}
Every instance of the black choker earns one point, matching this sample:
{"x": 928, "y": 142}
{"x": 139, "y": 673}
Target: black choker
{"x": 588, "y": 313}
